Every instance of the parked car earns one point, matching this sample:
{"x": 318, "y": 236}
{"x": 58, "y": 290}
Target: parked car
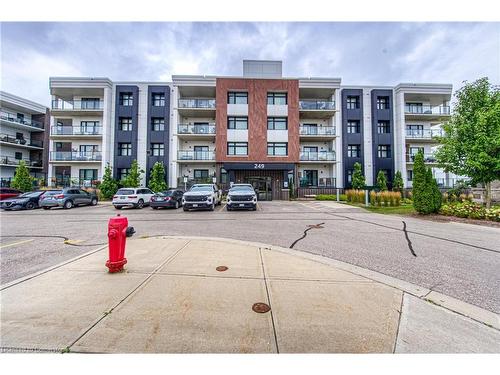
{"x": 6, "y": 193}
{"x": 169, "y": 198}
{"x": 68, "y": 198}
{"x": 241, "y": 196}
{"x": 202, "y": 196}
{"x": 25, "y": 201}
{"x": 132, "y": 197}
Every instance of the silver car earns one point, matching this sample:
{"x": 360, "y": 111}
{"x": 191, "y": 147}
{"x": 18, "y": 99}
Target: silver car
{"x": 68, "y": 198}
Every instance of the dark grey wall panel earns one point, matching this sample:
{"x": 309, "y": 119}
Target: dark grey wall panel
{"x": 347, "y": 139}
{"x": 382, "y": 139}
{"x": 125, "y": 136}
{"x": 158, "y": 136}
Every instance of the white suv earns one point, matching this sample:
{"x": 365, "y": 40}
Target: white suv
{"x": 201, "y": 196}
{"x": 132, "y": 197}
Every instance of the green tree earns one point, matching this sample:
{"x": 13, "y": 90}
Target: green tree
{"x": 22, "y": 179}
{"x": 157, "y": 179}
{"x": 434, "y": 194}
{"x": 426, "y": 194}
{"x": 397, "y": 183}
{"x": 109, "y": 185}
{"x": 133, "y": 179}
{"x": 381, "y": 181}
{"x": 358, "y": 178}
{"x": 470, "y": 145}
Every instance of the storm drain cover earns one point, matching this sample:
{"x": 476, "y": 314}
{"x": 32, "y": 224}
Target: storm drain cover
{"x": 221, "y": 268}
{"x": 260, "y": 307}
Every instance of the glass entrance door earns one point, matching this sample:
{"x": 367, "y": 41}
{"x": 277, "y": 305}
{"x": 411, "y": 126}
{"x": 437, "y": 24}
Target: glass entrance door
{"x": 262, "y": 186}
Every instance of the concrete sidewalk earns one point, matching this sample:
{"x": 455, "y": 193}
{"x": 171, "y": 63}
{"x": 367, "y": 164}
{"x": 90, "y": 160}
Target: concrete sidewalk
{"x": 172, "y": 299}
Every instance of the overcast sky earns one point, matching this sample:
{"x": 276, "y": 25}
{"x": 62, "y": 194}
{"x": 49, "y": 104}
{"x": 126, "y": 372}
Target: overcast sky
{"x": 359, "y": 53}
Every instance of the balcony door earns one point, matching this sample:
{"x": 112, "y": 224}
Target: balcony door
{"x": 200, "y": 128}
{"x": 309, "y": 178}
{"x": 201, "y": 152}
{"x": 310, "y": 129}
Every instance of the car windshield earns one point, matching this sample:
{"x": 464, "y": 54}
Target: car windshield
{"x": 124, "y": 192}
{"x": 241, "y": 188}
{"x": 30, "y": 194}
{"x": 165, "y": 193}
{"x": 201, "y": 188}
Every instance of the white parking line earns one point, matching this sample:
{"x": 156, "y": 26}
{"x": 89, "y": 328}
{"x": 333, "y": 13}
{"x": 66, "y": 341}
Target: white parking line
{"x": 15, "y": 243}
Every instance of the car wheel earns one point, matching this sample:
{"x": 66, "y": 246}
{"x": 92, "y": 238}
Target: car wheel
{"x": 140, "y": 203}
{"x": 185, "y": 208}
{"x": 30, "y": 205}
{"x": 176, "y": 205}
{"x": 228, "y": 208}
{"x": 68, "y": 204}
{"x": 117, "y": 208}
{"x": 46, "y": 208}
{"x": 93, "y": 202}
{"x": 254, "y": 208}
{"x": 154, "y": 208}
{"x": 212, "y": 207}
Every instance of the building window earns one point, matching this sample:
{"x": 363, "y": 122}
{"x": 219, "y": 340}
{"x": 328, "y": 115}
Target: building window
{"x": 384, "y": 151}
{"x": 414, "y": 107}
{"x": 353, "y": 127}
{"x": 350, "y": 172}
{"x": 123, "y": 173}
{"x": 277, "y": 98}
{"x": 20, "y": 118}
{"x": 88, "y": 174}
{"x": 383, "y": 127}
{"x": 158, "y": 100}
{"x": 238, "y": 123}
{"x": 277, "y": 149}
{"x": 237, "y": 98}
{"x": 125, "y": 149}
{"x": 409, "y": 175}
{"x": 352, "y": 102}
{"x": 90, "y": 103}
{"x": 158, "y": 124}
{"x": 126, "y": 99}
{"x": 201, "y": 174}
{"x": 309, "y": 178}
{"x": 125, "y": 124}
{"x": 18, "y": 156}
{"x": 89, "y": 149}
{"x": 158, "y": 149}
{"x": 277, "y": 123}
{"x": 237, "y": 148}
{"x": 353, "y": 151}
{"x": 382, "y": 102}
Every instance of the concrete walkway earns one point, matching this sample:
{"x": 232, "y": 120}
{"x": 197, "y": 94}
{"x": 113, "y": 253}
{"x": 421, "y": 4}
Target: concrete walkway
{"x": 172, "y": 299}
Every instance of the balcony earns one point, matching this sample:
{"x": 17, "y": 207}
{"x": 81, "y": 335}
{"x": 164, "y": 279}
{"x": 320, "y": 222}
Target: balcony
{"x": 196, "y": 131}
{"x": 76, "y": 131}
{"x": 427, "y": 112}
{"x": 76, "y": 156}
{"x": 428, "y": 158}
{"x": 13, "y": 120}
{"x": 10, "y": 161}
{"x": 196, "y": 107}
{"x": 317, "y": 132}
{"x": 21, "y": 142}
{"x": 323, "y": 182}
{"x": 322, "y": 156}
{"x": 186, "y": 156}
{"x": 312, "y": 108}
{"x": 424, "y": 134}
{"x": 65, "y": 107}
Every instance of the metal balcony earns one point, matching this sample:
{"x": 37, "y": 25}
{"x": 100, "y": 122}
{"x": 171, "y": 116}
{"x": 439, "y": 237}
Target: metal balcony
{"x": 14, "y": 119}
{"x": 76, "y": 130}
{"x": 195, "y": 155}
{"x": 317, "y": 156}
{"x": 78, "y": 156}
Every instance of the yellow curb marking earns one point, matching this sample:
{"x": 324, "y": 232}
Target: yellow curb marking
{"x": 15, "y": 243}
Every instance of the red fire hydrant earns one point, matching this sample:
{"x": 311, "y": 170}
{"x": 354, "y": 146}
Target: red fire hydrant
{"x": 118, "y": 231}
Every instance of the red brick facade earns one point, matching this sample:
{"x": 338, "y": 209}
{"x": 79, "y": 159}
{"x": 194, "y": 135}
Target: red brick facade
{"x": 257, "y": 118}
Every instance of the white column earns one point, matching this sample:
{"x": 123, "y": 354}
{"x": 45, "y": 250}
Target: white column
{"x": 337, "y": 122}
{"x": 367, "y": 137}
{"x": 142, "y": 129}
{"x": 107, "y": 129}
{"x": 174, "y": 143}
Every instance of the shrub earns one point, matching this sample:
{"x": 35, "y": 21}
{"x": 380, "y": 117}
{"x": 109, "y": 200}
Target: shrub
{"x": 426, "y": 195}
{"x": 385, "y": 197}
{"x": 22, "y": 179}
{"x": 397, "y": 183}
{"x": 445, "y": 197}
{"x": 462, "y": 197}
{"x": 157, "y": 179}
{"x": 358, "y": 179}
{"x": 326, "y": 197}
{"x": 397, "y": 198}
{"x": 360, "y": 194}
{"x": 381, "y": 181}
{"x": 343, "y": 197}
{"x": 379, "y": 199}
{"x": 373, "y": 198}
{"x": 108, "y": 186}
{"x": 470, "y": 197}
{"x": 133, "y": 179}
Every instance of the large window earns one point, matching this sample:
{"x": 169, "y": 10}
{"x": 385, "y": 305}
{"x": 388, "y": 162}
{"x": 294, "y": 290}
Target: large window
{"x": 89, "y": 148}
{"x": 158, "y": 149}
{"x": 277, "y": 149}
{"x": 237, "y": 98}
{"x": 158, "y": 124}
{"x": 90, "y": 103}
{"x": 123, "y": 173}
{"x": 383, "y": 127}
{"x": 350, "y": 172}
{"x": 277, "y": 123}
{"x": 158, "y": 100}
{"x": 237, "y": 148}
{"x": 309, "y": 178}
{"x": 352, "y": 102}
{"x": 125, "y": 149}
{"x": 125, "y": 124}
{"x": 201, "y": 174}
{"x": 414, "y": 107}
{"x": 18, "y": 155}
{"x": 88, "y": 174}
{"x": 384, "y": 151}
{"x": 238, "y": 123}
{"x": 126, "y": 99}
{"x": 353, "y": 151}
{"x": 353, "y": 127}
{"x": 382, "y": 102}
{"x": 277, "y": 98}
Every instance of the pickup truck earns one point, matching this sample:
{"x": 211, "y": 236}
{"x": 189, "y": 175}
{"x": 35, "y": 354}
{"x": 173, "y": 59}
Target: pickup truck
{"x": 202, "y": 196}
{"x": 241, "y": 196}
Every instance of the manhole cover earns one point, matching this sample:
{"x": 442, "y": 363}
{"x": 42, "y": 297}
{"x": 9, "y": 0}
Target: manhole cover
{"x": 221, "y": 268}
{"x": 260, "y": 307}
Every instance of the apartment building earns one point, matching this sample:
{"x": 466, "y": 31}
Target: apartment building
{"x": 259, "y": 128}
{"x": 23, "y": 135}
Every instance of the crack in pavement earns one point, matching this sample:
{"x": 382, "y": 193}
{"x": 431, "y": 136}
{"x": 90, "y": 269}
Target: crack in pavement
{"x": 314, "y": 226}
{"x": 65, "y": 240}
{"x": 410, "y": 246}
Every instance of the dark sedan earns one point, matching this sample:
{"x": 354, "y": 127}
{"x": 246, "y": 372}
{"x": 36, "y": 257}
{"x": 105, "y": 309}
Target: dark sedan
{"x": 169, "y": 198}
{"x": 26, "y": 201}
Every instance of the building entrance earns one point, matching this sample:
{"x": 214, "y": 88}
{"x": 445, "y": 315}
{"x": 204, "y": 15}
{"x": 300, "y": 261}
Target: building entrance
{"x": 262, "y": 186}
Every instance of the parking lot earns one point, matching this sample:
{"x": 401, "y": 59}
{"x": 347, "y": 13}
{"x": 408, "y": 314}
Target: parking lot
{"x": 460, "y": 260}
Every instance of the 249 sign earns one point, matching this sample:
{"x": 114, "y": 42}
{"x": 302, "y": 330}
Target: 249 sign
{"x": 259, "y": 166}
